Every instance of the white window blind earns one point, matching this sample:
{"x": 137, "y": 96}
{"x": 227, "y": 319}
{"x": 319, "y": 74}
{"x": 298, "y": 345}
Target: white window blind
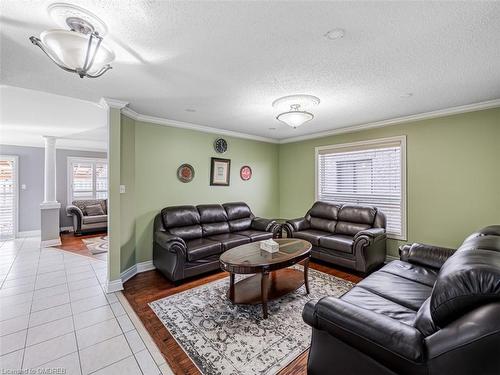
{"x": 88, "y": 179}
{"x": 370, "y": 173}
{"x": 8, "y": 197}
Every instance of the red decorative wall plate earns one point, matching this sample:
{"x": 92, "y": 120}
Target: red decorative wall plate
{"x": 246, "y": 173}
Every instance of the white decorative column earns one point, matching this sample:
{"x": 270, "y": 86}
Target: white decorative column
{"x": 50, "y": 207}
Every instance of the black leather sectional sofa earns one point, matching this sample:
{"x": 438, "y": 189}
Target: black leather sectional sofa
{"x": 188, "y": 240}
{"x": 348, "y": 235}
{"x": 434, "y": 311}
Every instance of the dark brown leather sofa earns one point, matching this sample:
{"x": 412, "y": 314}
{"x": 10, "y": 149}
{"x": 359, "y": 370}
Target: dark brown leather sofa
{"x": 348, "y": 235}
{"x": 188, "y": 240}
{"x": 434, "y": 311}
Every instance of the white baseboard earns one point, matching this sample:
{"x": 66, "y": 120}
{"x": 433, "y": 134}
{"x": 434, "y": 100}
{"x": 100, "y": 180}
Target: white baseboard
{"x": 135, "y": 269}
{"x": 28, "y": 233}
{"x": 390, "y": 258}
{"x": 113, "y": 286}
{"x": 67, "y": 229}
{"x": 49, "y": 243}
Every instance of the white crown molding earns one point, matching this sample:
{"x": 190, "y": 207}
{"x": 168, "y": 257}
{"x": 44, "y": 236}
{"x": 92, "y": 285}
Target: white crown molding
{"x": 112, "y": 103}
{"x": 187, "y": 125}
{"x": 399, "y": 120}
{"x": 69, "y": 148}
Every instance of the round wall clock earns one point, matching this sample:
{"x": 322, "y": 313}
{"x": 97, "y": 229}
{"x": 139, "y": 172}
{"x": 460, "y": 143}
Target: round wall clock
{"x": 246, "y": 173}
{"x": 185, "y": 173}
{"x": 220, "y": 145}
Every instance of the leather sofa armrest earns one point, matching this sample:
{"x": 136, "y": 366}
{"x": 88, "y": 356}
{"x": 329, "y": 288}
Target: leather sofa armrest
{"x": 371, "y": 233}
{"x": 170, "y": 242}
{"x": 74, "y": 210}
{"x": 298, "y": 224}
{"x": 265, "y": 225}
{"x": 365, "y": 330}
{"x": 425, "y": 255}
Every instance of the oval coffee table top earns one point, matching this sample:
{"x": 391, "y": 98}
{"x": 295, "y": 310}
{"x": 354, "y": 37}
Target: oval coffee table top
{"x": 250, "y": 258}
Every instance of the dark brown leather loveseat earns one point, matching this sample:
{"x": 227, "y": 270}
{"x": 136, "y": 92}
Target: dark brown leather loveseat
{"x": 348, "y": 235}
{"x": 435, "y": 311}
{"x": 188, "y": 240}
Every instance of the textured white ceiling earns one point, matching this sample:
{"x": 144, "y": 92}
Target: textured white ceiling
{"x": 230, "y": 60}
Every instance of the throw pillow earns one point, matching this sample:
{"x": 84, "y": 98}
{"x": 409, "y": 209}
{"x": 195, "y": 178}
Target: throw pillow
{"x": 94, "y": 210}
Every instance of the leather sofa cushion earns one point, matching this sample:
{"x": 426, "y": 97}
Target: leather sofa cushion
{"x": 95, "y": 219}
{"x": 237, "y": 210}
{"x": 237, "y": 225}
{"x": 311, "y": 235}
{"x": 229, "y": 240}
{"x": 202, "y": 248}
{"x": 322, "y": 224}
{"x": 357, "y": 214}
{"x": 481, "y": 242}
{"x": 364, "y": 298}
{"x": 324, "y": 210}
{"x": 215, "y": 228}
{"x": 337, "y": 242}
{"x": 255, "y": 235}
{"x": 397, "y": 289}
{"x": 411, "y": 271}
{"x": 211, "y": 213}
{"x": 189, "y": 232}
{"x": 350, "y": 229}
{"x": 467, "y": 280}
{"x": 180, "y": 216}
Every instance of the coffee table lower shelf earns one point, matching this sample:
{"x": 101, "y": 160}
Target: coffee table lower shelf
{"x": 263, "y": 287}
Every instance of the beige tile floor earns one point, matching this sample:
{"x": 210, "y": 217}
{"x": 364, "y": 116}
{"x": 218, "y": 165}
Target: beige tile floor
{"x": 54, "y": 314}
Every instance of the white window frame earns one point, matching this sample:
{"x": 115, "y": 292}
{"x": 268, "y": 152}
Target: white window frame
{"x": 15, "y": 159}
{"x": 70, "y": 161}
{"x": 366, "y": 145}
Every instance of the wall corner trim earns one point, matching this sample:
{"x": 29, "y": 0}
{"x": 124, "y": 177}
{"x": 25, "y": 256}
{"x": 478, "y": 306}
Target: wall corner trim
{"x": 113, "y": 286}
{"x": 112, "y": 103}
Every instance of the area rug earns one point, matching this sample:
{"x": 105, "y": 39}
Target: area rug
{"x": 222, "y": 338}
{"x": 96, "y": 245}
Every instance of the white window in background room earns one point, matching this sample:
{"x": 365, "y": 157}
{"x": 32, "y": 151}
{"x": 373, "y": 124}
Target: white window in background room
{"x": 8, "y": 196}
{"x": 87, "y": 179}
{"x": 369, "y": 172}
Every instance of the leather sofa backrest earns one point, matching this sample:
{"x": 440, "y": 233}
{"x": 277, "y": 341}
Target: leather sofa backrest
{"x": 182, "y": 221}
{"x": 353, "y": 219}
{"x": 213, "y": 219}
{"x": 323, "y": 216}
{"x": 239, "y": 216}
{"x": 469, "y": 279}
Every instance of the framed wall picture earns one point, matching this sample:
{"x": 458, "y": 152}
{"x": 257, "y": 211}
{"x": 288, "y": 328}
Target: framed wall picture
{"x": 219, "y": 172}
{"x": 245, "y": 173}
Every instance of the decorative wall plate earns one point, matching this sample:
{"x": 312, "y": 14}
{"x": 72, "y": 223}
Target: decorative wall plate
{"x": 220, "y": 145}
{"x": 185, "y": 173}
{"x": 246, "y": 173}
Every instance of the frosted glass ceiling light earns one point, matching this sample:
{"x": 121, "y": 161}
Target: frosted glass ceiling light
{"x": 296, "y": 105}
{"x": 79, "y": 50}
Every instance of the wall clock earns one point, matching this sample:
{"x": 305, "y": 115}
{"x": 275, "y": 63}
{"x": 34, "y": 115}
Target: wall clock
{"x": 185, "y": 173}
{"x": 246, "y": 173}
{"x": 220, "y": 145}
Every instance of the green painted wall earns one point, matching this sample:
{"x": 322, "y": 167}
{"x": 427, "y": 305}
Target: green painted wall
{"x": 127, "y": 200}
{"x": 159, "y": 150}
{"x": 453, "y": 175}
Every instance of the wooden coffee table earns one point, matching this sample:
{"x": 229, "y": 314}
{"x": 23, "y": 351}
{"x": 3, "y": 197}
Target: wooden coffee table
{"x": 272, "y": 278}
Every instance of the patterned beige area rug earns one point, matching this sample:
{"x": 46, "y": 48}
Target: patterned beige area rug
{"x": 222, "y": 338}
{"x": 96, "y": 245}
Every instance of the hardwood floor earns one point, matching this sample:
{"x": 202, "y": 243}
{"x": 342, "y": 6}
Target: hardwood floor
{"x": 74, "y": 244}
{"x": 152, "y": 285}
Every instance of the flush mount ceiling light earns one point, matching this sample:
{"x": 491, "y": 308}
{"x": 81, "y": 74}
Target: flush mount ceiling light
{"x": 296, "y": 106}
{"x": 335, "y": 34}
{"x": 80, "y": 49}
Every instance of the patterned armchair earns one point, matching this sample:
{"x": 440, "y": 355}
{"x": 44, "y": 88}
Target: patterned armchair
{"x": 89, "y": 215}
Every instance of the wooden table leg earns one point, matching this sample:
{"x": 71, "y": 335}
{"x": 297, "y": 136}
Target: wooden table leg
{"x": 306, "y": 275}
{"x": 231, "y": 287}
{"x": 264, "y": 285}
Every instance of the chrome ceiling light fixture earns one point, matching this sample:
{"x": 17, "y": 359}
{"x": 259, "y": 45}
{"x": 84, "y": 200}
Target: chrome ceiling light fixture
{"x": 80, "y": 49}
{"x": 296, "y": 106}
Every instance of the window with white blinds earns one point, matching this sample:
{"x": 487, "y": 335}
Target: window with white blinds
{"x": 87, "y": 179}
{"x": 371, "y": 173}
{"x": 8, "y": 196}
